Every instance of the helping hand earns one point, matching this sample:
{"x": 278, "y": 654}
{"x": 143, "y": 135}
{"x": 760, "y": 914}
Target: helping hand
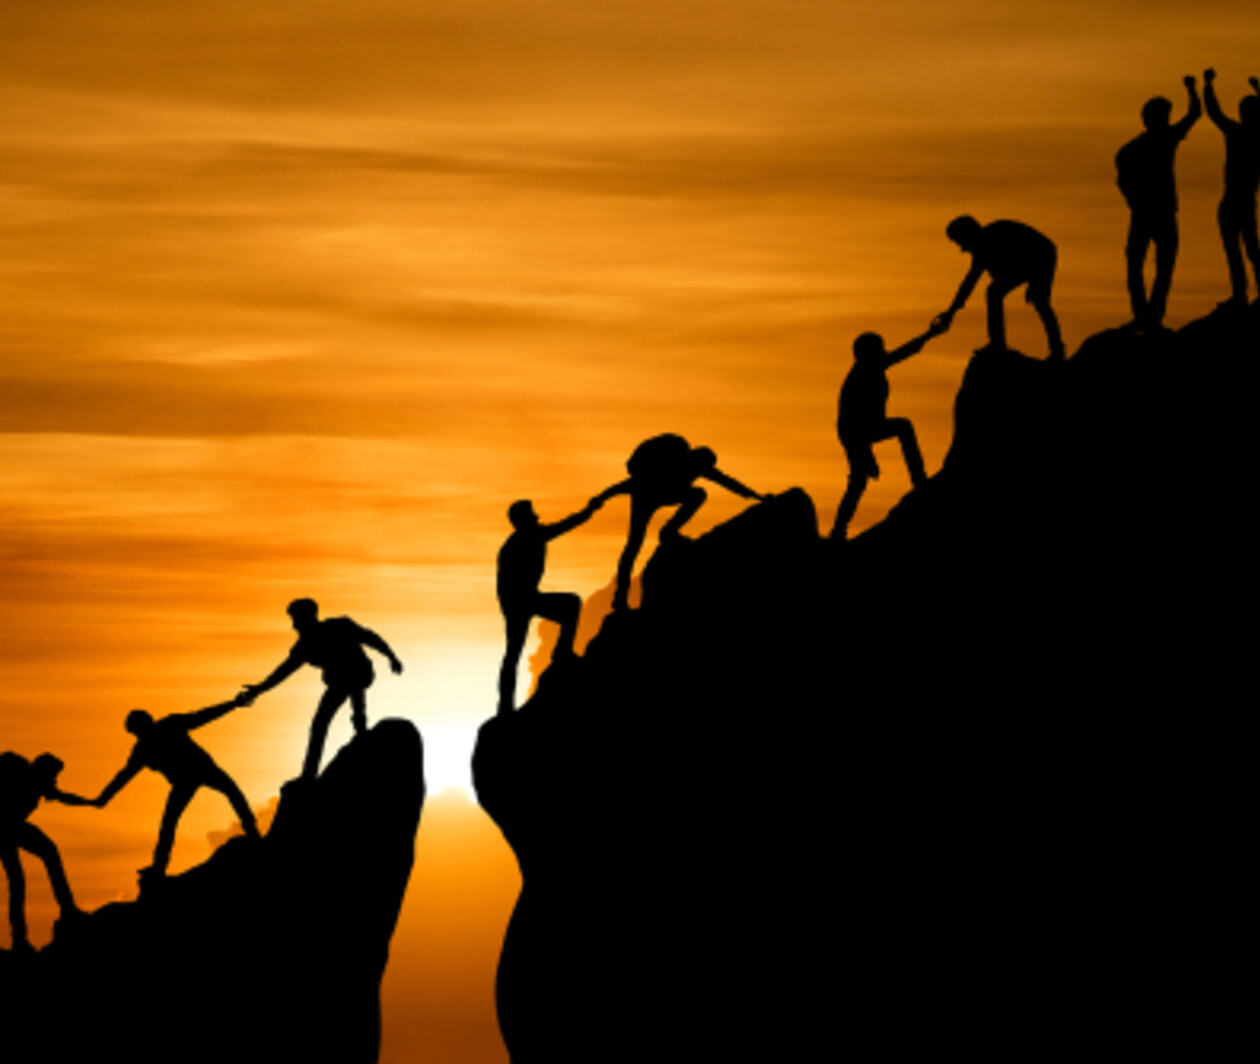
{"x": 396, "y": 666}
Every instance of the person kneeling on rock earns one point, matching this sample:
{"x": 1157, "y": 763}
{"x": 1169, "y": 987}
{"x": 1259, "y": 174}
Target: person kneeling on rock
{"x": 663, "y": 471}
{"x": 863, "y": 420}
{"x": 166, "y": 747}
{"x": 22, "y": 785}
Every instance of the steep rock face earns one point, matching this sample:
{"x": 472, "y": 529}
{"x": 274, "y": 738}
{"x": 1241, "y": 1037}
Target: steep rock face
{"x": 957, "y": 784}
{"x": 268, "y": 951}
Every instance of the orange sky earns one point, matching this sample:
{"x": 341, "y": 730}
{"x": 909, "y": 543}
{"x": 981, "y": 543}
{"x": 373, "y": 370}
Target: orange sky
{"x": 297, "y": 297}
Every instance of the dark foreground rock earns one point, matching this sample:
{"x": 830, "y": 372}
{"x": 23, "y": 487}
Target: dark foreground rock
{"x": 970, "y": 783}
{"x": 269, "y": 951}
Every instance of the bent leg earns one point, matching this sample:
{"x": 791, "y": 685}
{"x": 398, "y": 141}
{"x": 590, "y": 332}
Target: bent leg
{"x": 640, "y": 516}
{"x": 517, "y": 629}
{"x": 564, "y": 609}
{"x": 226, "y": 786}
{"x": 693, "y": 499}
{"x": 176, "y": 802}
{"x": 32, "y": 840}
{"x": 1135, "y": 258}
{"x": 901, "y": 428}
{"x": 328, "y": 705}
{"x": 17, "y": 893}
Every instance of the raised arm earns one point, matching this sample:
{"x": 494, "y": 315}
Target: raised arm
{"x": 371, "y": 639}
{"x": 1195, "y": 109}
{"x": 730, "y": 484}
{"x": 125, "y": 776}
{"x": 568, "y": 524}
{"x": 1214, "y": 111}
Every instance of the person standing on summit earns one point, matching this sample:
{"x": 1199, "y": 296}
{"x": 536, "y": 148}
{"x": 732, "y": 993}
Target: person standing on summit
{"x": 1144, "y": 173}
{"x": 1237, "y": 212}
{"x": 335, "y": 646}
{"x": 1012, "y": 254}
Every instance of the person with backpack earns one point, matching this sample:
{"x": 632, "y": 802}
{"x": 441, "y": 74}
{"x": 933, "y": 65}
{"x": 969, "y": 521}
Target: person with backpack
{"x": 335, "y": 646}
{"x": 1144, "y": 173}
{"x": 23, "y": 784}
{"x": 521, "y": 563}
{"x": 165, "y": 746}
{"x": 1237, "y": 212}
{"x": 663, "y": 471}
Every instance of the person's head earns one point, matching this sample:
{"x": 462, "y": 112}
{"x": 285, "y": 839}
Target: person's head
{"x": 47, "y": 768}
{"x": 963, "y": 231}
{"x": 138, "y": 721}
{"x": 1156, "y": 113}
{"x": 303, "y": 613}
{"x": 868, "y": 345}
{"x": 703, "y": 459}
{"x": 1249, "y": 112}
{"x": 521, "y": 514}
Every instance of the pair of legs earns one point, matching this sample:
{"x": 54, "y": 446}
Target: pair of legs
{"x": 1146, "y": 229}
{"x": 29, "y": 838}
{"x": 331, "y": 701}
{"x": 177, "y": 801}
{"x": 642, "y": 507}
{"x": 564, "y": 609}
{"x": 1038, "y": 294}
{"x": 1236, "y": 217}
{"x": 862, "y": 467}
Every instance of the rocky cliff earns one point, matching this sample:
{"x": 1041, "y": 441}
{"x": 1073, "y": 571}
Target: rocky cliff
{"x": 268, "y": 951}
{"x": 966, "y": 783}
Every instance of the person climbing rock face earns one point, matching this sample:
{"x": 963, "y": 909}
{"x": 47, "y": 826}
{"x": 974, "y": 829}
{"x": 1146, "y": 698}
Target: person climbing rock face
{"x": 23, "y": 785}
{"x": 663, "y": 472}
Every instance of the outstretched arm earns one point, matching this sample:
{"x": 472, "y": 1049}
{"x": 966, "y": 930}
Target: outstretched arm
{"x": 1213, "y": 105}
{"x": 282, "y": 672}
{"x": 731, "y": 484}
{"x": 66, "y": 798}
{"x": 204, "y": 716}
{"x": 568, "y": 524}
{"x": 1195, "y": 109}
{"x": 913, "y": 347}
{"x": 942, "y": 321}
{"x": 622, "y": 487}
{"x": 125, "y": 776}
{"x": 371, "y": 639}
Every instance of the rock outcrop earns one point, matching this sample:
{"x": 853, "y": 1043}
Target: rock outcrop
{"x": 963, "y": 784}
{"x": 269, "y": 951}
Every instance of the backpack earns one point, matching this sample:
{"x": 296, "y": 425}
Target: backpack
{"x": 16, "y": 787}
{"x": 1131, "y": 166}
{"x": 661, "y": 456}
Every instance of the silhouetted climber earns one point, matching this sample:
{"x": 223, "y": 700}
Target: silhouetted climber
{"x": 22, "y": 784}
{"x": 1144, "y": 172}
{"x": 335, "y": 646}
{"x": 663, "y": 471}
{"x": 1013, "y": 254}
{"x": 166, "y": 747}
{"x": 522, "y": 560}
{"x": 863, "y": 420}
{"x": 1237, "y": 212}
